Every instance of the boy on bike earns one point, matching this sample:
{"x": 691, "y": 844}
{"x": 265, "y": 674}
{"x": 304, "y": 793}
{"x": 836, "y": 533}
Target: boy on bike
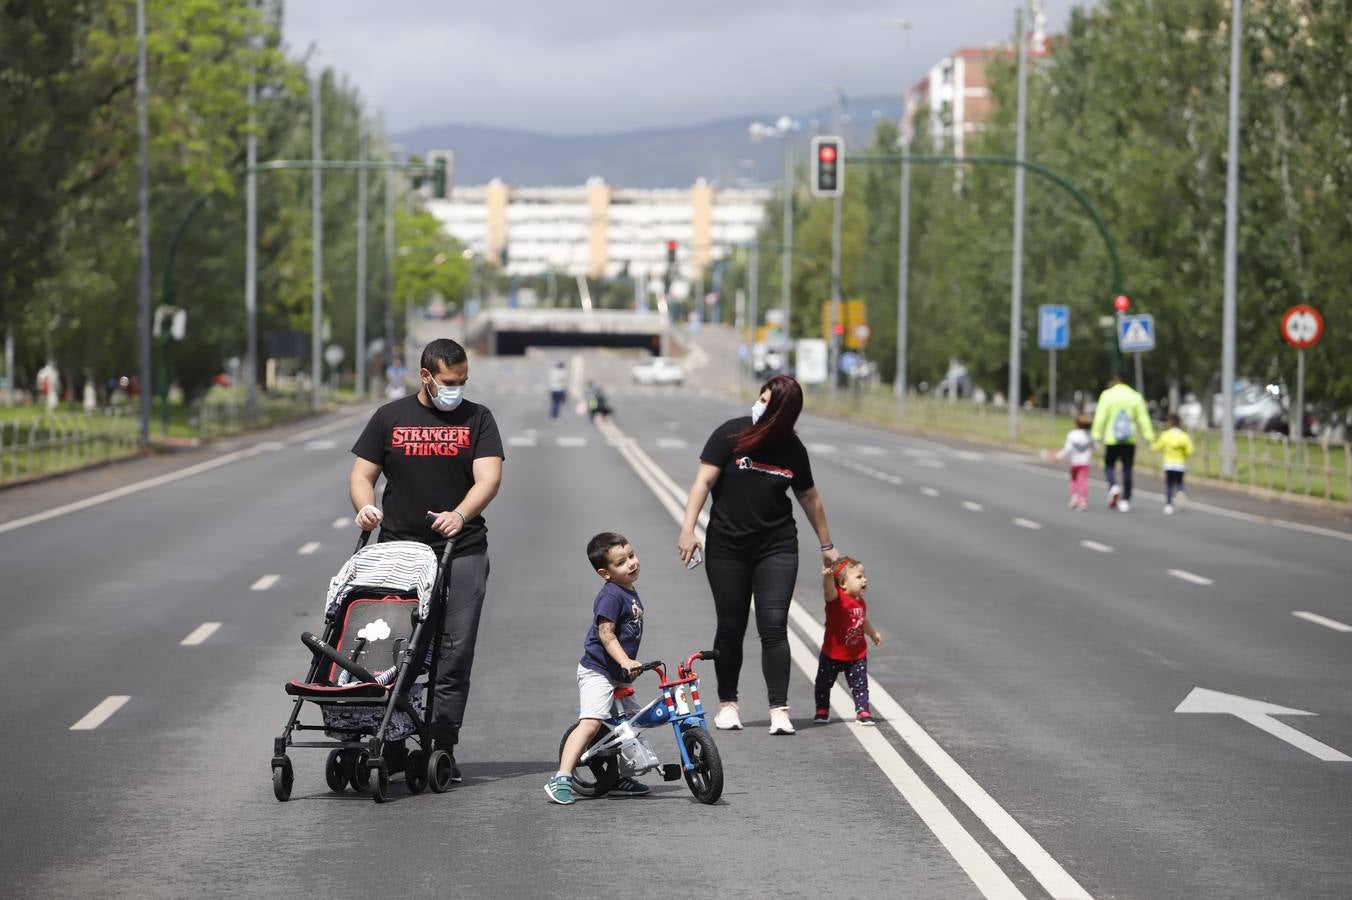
{"x": 607, "y": 659}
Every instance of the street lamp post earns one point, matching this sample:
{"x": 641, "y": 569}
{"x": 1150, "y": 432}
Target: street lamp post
{"x": 1016, "y": 286}
{"x": 317, "y": 239}
{"x": 359, "y": 358}
{"x": 836, "y": 215}
{"x": 251, "y": 240}
{"x": 143, "y": 281}
{"x": 1231, "y": 248}
{"x": 903, "y": 249}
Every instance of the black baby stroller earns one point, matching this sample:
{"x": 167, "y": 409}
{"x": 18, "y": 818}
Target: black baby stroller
{"x": 382, "y": 627}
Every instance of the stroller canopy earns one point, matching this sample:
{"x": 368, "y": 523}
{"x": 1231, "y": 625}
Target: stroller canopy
{"x": 391, "y": 566}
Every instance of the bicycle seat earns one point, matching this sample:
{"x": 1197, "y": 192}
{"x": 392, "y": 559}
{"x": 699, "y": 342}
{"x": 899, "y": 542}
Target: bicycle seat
{"x": 623, "y": 692}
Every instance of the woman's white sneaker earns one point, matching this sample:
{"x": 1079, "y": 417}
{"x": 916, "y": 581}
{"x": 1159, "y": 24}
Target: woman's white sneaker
{"x": 779, "y": 720}
{"x": 728, "y": 718}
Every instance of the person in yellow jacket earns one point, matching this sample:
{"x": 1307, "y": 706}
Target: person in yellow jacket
{"x": 1176, "y": 446}
{"x": 1119, "y": 417}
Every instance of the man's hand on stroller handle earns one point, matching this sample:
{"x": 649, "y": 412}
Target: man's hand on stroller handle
{"x": 368, "y": 517}
{"x": 448, "y": 523}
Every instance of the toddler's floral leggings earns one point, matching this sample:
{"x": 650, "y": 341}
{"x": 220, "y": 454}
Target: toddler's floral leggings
{"x": 856, "y": 676}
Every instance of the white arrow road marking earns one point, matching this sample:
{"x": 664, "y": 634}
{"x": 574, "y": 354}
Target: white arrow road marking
{"x": 265, "y": 582}
{"x": 309, "y": 548}
{"x": 1095, "y": 545}
{"x": 199, "y": 634}
{"x": 1188, "y": 576}
{"x": 1259, "y": 715}
{"x": 1320, "y": 620}
{"x": 521, "y": 440}
{"x": 985, "y": 873}
{"x": 929, "y": 492}
{"x": 1028, "y": 523}
{"x": 99, "y": 714}
{"x": 341, "y": 522}
{"x": 972, "y": 506}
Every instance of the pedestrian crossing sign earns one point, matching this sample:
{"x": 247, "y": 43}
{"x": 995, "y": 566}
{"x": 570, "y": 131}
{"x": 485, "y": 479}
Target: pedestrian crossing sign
{"x": 1135, "y": 333}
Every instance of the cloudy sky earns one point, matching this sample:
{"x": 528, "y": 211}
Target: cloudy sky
{"x": 575, "y": 66}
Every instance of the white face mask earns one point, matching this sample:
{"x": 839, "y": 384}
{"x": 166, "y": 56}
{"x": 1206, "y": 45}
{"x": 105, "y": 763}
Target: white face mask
{"x": 757, "y": 410}
{"x": 446, "y": 398}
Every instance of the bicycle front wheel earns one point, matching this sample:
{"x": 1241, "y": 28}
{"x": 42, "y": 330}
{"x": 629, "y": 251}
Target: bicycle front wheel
{"x": 706, "y": 778}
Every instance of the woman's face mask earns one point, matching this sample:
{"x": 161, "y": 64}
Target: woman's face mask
{"x": 757, "y": 410}
{"x": 445, "y": 397}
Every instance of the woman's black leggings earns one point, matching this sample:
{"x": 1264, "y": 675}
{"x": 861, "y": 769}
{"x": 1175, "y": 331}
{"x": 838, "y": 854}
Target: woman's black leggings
{"x": 733, "y": 580}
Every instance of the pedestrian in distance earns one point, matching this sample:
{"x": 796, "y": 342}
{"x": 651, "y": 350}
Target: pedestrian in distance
{"x": 598, "y": 405}
{"x": 558, "y": 388}
{"x": 1176, "y": 446}
{"x": 1078, "y": 451}
{"x": 749, "y": 464}
{"x": 608, "y": 660}
{"x": 844, "y": 648}
{"x": 442, "y": 459}
{"x": 1121, "y": 415}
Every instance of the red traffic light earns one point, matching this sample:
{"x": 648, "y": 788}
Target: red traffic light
{"x": 1122, "y": 303}
{"x": 671, "y": 246}
{"x": 827, "y": 153}
{"x": 838, "y": 328}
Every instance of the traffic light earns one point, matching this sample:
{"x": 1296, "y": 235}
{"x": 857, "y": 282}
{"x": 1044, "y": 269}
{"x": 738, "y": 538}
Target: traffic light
{"x": 839, "y": 329}
{"x": 828, "y": 166}
{"x": 1122, "y": 303}
{"x": 439, "y": 178}
{"x": 671, "y": 253}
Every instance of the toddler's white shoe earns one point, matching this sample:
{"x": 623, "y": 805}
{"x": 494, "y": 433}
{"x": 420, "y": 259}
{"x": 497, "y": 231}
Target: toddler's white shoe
{"x": 728, "y": 718}
{"x": 779, "y": 720}
{"x": 1168, "y": 509}
{"x": 1124, "y": 506}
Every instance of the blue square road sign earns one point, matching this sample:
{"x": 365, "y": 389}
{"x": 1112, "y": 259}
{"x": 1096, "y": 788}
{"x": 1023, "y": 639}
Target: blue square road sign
{"x": 1053, "y": 327}
{"x": 1136, "y": 333}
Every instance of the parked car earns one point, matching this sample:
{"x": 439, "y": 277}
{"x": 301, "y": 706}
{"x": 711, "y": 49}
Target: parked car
{"x": 658, "y": 370}
{"x": 1257, "y": 406}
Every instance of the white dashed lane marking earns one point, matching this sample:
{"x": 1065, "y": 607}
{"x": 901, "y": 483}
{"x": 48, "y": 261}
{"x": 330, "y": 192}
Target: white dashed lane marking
{"x": 341, "y": 522}
{"x": 1185, "y": 575}
{"x": 199, "y": 634}
{"x": 821, "y": 448}
{"x": 929, "y": 492}
{"x": 1096, "y": 546}
{"x": 265, "y": 582}
{"x": 1321, "y": 620}
{"x": 519, "y": 440}
{"x": 671, "y": 443}
{"x": 571, "y": 441}
{"x": 1028, "y": 523}
{"x": 321, "y": 445}
{"x": 872, "y": 451}
{"x": 929, "y": 463}
{"x": 309, "y": 549}
{"x": 99, "y": 714}
{"x": 972, "y": 506}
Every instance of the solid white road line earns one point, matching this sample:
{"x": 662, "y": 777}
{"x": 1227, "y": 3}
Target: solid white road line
{"x": 342, "y": 423}
{"x": 341, "y": 522}
{"x": 99, "y": 714}
{"x": 929, "y": 492}
{"x": 308, "y": 549}
{"x": 972, "y": 505}
{"x": 1188, "y": 576}
{"x": 1028, "y": 523}
{"x": 199, "y": 634}
{"x": 265, "y": 582}
{"x": 974, "y": 860}
{"x": 1040, "y": 864}
{"x": 1320, "y": 620}
{"x": 985, "y": 873}
{"x": 1096, "y": 546}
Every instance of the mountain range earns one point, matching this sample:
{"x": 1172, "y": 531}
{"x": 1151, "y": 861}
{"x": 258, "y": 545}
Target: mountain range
{"x": 719, "y": 151}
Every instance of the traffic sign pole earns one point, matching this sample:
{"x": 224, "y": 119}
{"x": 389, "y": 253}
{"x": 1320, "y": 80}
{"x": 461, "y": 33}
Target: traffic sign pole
{"x": 1297, "y": 429}
{"x": 1051, "y": 369}
{"x": 1302, "y": 326}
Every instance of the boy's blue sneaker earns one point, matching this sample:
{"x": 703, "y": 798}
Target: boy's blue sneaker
{"x": 628, "y": 787}
{"x": 560, "y": 789}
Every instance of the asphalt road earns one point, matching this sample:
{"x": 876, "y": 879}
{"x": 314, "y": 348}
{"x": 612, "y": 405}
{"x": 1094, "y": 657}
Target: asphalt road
{"x": 1032, "y": 665}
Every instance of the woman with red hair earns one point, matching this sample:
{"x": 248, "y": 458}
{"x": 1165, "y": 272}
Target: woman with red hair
{"x": 749, "y": 464}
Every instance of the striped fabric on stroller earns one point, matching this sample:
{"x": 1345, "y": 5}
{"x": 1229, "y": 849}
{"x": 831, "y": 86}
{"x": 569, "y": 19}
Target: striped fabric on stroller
{"x": 380, "y": 629}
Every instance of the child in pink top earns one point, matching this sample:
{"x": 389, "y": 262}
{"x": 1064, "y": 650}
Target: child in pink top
{"x": 1078, "y": 450}
{"x": 843, "y": 646}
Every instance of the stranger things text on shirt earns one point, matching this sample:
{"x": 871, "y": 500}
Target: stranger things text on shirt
{"x": 446, "y": 440}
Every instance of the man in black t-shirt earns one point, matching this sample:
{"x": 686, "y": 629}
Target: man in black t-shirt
{"x": 441, "y": 455}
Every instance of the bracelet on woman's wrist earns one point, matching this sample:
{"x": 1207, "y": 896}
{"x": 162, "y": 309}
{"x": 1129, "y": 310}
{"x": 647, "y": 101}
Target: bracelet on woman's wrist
{"x": 462, "y": 517}
{"x": 828, "y": 547}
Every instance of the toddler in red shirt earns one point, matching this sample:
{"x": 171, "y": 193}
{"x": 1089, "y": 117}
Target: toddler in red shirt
{"x": 843, "y": 646}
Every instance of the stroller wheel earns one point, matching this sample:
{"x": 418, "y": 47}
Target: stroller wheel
{"x": 439, "y": 771}
{"x": 415, "y": 772}
{"x": 354, "y": 767}
{"x": 379, "y": 778}
{"x": 334, "y": 772}
{"x": 282, "y": 779}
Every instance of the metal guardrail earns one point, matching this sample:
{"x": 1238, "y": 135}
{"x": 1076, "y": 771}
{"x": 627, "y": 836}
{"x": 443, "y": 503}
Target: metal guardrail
{"x": 63, "y": 442}
{"x": 46, "y": 445}
{"x": 1309, "y": 467}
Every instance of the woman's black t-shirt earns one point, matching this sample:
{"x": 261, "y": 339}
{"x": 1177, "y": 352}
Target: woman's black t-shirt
{"x": 751, "y": 509}
{"x": 428, "y": 459}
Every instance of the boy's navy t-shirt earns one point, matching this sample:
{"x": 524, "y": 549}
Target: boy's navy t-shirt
{"x": 621, "y": 606}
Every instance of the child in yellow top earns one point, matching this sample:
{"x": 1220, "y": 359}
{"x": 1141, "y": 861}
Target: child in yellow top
{"x": 1177, "y": 447}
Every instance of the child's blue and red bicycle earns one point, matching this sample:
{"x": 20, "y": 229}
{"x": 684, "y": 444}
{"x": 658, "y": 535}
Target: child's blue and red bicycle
{"x": 619, "y": 751}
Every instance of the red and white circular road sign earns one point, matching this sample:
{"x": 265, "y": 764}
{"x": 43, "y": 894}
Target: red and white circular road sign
{"x": 1302, "y": 326}
{"x": 862, "y": 333}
